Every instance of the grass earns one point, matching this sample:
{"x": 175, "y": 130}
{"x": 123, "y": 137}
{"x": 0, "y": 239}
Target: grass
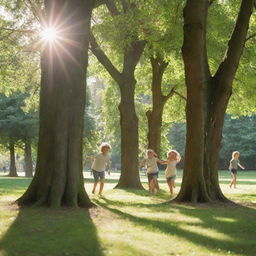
{"x": 131, "y": 223}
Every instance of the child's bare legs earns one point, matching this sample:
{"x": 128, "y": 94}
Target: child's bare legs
{"x": 151, "y": 185}
{"x": 101, "y": 186}
{"x": 171, "y": 186}
{"x": 94, "y": 187}
{"x": 157, "y": 185}
{"x": 233, "y": 182}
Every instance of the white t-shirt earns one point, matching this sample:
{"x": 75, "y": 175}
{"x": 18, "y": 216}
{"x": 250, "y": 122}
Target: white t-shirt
{"x": 100, "y": 162}
{"x": 151, "y": 164}
{"x": 170, "y": 169}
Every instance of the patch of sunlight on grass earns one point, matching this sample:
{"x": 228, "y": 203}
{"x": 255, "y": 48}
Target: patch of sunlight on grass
{"x": 224, "y": 219}
{"x": 206, "y": 232}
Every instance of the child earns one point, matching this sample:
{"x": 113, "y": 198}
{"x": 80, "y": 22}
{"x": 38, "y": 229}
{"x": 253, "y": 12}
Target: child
{"x": 233, "y": 166}
{"x": 173, "y": 157}
{"x": 151, "y": 161}
{"x": 99, "y": 165}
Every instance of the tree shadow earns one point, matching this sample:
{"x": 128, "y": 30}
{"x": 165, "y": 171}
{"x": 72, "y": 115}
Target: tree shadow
{"x": 42, "y": 231}
{"x": 234, "y": 232}
{"x": 152, "y": 206}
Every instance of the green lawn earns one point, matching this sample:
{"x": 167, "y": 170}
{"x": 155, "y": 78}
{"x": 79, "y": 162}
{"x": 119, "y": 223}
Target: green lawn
{"x": 131, "y": 223}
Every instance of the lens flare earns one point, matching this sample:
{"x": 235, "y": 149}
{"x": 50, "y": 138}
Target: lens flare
{"x": 49, "y": 35}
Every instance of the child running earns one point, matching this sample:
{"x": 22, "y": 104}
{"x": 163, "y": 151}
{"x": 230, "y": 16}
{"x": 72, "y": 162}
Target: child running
{"x": 151, "y": 161}
{"x": 173, "y": 157}
{"x": 233, "y": 166}
{"x": 100, "y": 163}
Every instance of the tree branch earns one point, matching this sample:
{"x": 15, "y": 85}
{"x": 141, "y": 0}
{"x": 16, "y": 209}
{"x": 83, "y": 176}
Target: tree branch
{"x": 112, "y": 8}
{"x": 250, "y": 37}
{"x": 37, "y": 12}
{"x": 179, "y": 94}
{"x": 97, "y": 3}
{"x": 171, "y": 93}
{"x": 125, "y": 5}
{"x": 104, "y": 60}
{"x": 133, "y": 54}
{"x": 228, "y": 67}
{"x": 24, "y": 31}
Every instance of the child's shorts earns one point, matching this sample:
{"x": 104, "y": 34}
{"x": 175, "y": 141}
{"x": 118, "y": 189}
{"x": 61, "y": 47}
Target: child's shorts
{"x": 171, "y": 178}
{"x": 98, "y": 175}
{"x": 152, "y": 175}
{"x": 234, "y": 171}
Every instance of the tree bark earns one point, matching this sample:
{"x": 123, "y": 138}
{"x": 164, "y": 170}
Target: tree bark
{"x": 129, "y": 177}
{"x": 207, "y": 100}
{"x": 155, "y": 115}
{"x": 28, "y": 159}
{"x": 129, "y": 137}
{"x": 219, "y": 92}
{"x": 58, "y": 179}
{"x": 197, "y": 76}
{"x": 13, "y": 170}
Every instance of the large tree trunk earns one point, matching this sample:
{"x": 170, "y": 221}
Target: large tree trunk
{"x": 58, "y": 179}
{"x": 213, "y": 134}
{"x": 197, "y": 77}
{"x": 129, "y": 138}
{"x": 28, "y": 159}
{"x": 128, "y": 120}
{"x": 219, "y": 92}
{"x": 207, "y": 100}
{"x": 13, "y": 171}
{"x": 154, "y": 116}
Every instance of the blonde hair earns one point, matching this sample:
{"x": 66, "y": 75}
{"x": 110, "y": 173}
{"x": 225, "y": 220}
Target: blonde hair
{"x": 235, "y": 153}
{"x": 152, "y": 151}
{"x": 104, "y": 145}
{"x": 178, "y": 157}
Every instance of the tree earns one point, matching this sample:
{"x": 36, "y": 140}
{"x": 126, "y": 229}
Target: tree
{"x": 58, "y": 179}
{"x": 29, "y": 131}
{"x": 11, "y": 120}
{"x": 126, "y": 81}
{"x": 163, "y": 36}
{"x": 207, "y": 99}
{"x": 159, "y": 101}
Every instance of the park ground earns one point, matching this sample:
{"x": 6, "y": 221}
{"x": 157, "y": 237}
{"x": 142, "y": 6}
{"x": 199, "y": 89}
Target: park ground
{"x": 131, "y": 222}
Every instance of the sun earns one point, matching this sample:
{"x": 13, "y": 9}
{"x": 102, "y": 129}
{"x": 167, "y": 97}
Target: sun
{"x": 49, "y": 35}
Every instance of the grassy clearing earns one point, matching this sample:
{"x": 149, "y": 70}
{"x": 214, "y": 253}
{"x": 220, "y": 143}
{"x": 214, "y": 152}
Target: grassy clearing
{"x": 131, "y": 223}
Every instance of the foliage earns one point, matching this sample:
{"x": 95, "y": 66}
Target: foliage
{"x": 16, "y": 124}
{"x": 221, "y": 20}
{"x": 238, "y": 134}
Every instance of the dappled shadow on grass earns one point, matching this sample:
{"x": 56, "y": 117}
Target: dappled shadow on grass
{"x": 42, "y": 231}
{"x": 228, "y": 228}
{"x": 161, "y": 194}
{"x": 156, "y": 200}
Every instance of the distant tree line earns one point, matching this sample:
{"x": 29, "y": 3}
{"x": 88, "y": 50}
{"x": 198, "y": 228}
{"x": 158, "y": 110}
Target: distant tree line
{"x": 238, "y": 134}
